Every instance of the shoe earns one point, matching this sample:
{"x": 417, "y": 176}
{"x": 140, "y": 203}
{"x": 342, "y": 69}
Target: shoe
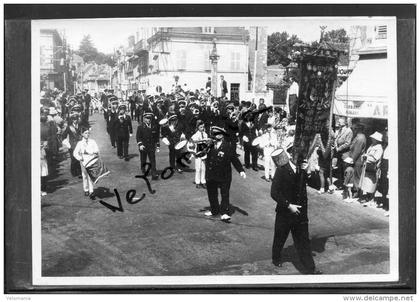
{"x": 86, "y": 193}
{"x": 348, "y": 200}
{"x": 321, "y": 191}
{"x": 315, "y": 272}
{"x": 208, "y": 214}
{"x": 120, "y": 157}
{"x": 277, "y": 263}
{"x": 225, "y": 217}
{"x": 247, "y": 167}
{"x": 372, "y": 204}
{"x": 154, "y": 177}
{"x": 179, "y": 171}
{"x": 255, "y": 169}
{"x": 386, "y": 214}
{"x": 263, "y": 177}
{"x": 204, "y": 186}
{"x": 126, "y": 159}
{"x": 197, "y": 186}
{"x": 92, "y": 196}
{"x": 43, "y": 193}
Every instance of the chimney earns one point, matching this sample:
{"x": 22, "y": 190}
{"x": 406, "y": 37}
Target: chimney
{"x": 131, "y": 41}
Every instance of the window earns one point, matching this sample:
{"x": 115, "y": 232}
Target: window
{"x": 207, "y": 30}
{"x": 235, "y": 61}
{"x": 181, "y": 59}
{"x": 381, "y": 32}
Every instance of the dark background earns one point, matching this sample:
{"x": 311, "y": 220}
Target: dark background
{"x": 17, "y": 122}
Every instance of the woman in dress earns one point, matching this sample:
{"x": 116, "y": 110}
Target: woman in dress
{"x": 85, "y": 150}
{"x": 371, "y": 169}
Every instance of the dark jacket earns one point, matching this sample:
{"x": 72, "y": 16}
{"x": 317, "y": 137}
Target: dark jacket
{"x": 218, "y": 163}
{"x": 123, "y": 128}
{"x": 175, "y": 136}
{"x": 285, "y": 190}
{"x": 224, "y": 86}
{"x": 148, "y": 136}
{"x": 248, "y": 132}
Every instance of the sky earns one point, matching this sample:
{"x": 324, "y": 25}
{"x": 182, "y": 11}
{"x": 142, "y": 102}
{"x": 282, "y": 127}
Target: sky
{"x": 109, "y": 34}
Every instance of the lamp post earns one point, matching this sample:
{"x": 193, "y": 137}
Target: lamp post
{"x": 214, "y": 57}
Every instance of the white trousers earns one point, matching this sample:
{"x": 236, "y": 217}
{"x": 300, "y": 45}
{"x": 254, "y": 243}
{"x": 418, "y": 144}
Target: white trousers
{"x": 200, "y": 171}
{"x": 269, "y": 166}
{"x": 87, "y": 182}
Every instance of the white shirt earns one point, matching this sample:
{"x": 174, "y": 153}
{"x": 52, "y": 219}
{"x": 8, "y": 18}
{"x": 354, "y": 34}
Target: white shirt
{"x": 293, "y": 166}
{"x": 85, "y": 150}
{"x": 294, "y": 89}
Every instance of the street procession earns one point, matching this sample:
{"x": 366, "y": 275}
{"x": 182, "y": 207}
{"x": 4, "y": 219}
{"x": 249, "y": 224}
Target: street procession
{"x": 145, "y": 134}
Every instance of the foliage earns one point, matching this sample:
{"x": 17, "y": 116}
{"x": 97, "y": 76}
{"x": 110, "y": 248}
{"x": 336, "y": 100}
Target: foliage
{"x": 279, "y": 47}
{"x": 89, "y": 53}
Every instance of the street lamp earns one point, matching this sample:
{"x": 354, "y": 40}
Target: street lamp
{"x": 214, "y": 57}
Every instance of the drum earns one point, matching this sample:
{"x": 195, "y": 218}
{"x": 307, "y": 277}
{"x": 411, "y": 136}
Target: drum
{"x": 280, "y": 157}
{"x": 163, "y": 122}
{"x": 182, "y": 145}
{"x": 96, "y": 169}
{"x": 257, "y": 141}
{"x": 165, "y": 141}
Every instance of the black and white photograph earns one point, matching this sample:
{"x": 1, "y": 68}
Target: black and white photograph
{"x": 212, "y": 151}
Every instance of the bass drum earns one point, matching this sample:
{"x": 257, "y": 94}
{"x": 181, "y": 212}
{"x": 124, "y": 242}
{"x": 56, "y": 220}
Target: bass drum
{"x": 280, "y": 157}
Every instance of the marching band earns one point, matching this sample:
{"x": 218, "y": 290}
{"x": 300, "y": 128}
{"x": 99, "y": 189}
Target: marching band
{"x": 209, "y": 130}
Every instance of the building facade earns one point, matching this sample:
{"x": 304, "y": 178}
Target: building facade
{"x": 96, "y": 77}
{"x": 52, "y": 55}
{"x": 162, "y": 58}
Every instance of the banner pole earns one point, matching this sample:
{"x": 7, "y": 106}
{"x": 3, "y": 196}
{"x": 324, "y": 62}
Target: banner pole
{"x": 330, "y": 125}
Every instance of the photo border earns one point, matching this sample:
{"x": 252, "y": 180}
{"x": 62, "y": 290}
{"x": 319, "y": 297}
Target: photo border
{"x": 11, "y": 79}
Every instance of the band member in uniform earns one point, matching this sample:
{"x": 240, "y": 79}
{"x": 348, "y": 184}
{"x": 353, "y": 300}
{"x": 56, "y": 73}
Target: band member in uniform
{"x": 248, "y": 134}
{"x": 288, "y": 189}
{"x": 220, "y": 157}
{"x": 112, "y": 119}
{"x": 232, "y": 125}
{"x": 104, "y": 103}
{"x": 132, "y": 101}
{"x": 200, "y": 168}
{"x": 84, "y": 150}
{"x": 123, "y": 131}
{"x": 148, "y": 142}
{"x": 173, "y": 134}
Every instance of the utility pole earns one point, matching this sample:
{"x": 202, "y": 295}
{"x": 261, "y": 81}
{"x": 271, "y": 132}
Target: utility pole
{"x": 255, "y": 62}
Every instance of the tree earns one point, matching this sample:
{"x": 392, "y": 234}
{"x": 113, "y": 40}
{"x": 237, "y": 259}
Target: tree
{"x": 90, "y": 54}
{"x": 279, "y": 47}
{"x": 339, "y": 40}
{"x": 87, "y": 50}
{"x": 337, "y": 36}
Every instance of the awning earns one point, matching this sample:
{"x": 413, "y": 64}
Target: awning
{"x": 365, "y": 92}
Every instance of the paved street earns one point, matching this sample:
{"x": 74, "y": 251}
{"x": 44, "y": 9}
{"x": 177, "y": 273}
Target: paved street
{"x": 167, "y": 234}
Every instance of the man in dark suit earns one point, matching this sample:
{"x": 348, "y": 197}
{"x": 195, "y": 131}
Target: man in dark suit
{"x": 123, "y": 131}
{"x": 208, "y": 83}
{"x": 112, "y": 119}
{"x": 172, "y": 135}
{"x": 148, "y": 141}
{"x": 248, "y": 132}
{"x": 223, "y": 86}
{"x": 220, "y": 157}
{"x": 289, "y": 191}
